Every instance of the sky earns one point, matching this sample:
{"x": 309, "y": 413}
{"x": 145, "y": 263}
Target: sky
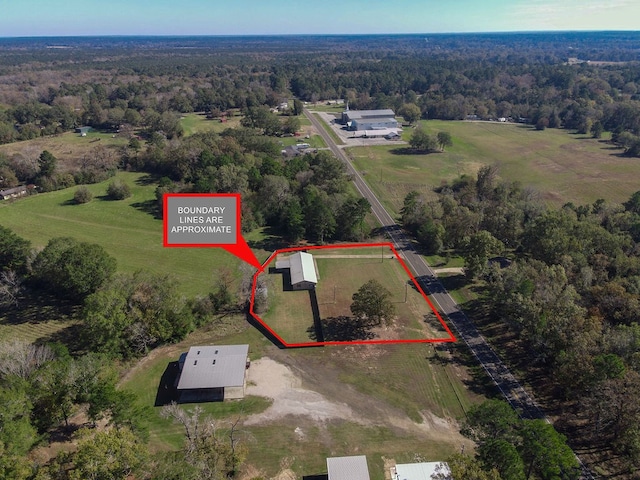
{"x": 272, "y": 17}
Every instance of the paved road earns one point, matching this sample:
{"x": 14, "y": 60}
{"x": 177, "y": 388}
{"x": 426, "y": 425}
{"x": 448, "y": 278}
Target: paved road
{"x": 513, "y": 392}
{"x": 466, "y": 329}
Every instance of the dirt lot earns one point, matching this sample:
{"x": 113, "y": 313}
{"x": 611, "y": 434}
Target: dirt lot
{"x": 293, "y": 396}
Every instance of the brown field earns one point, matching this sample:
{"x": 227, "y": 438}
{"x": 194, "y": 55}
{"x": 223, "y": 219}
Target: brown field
{"x": 562, "y": 166}
{"x": 70, "y": 148}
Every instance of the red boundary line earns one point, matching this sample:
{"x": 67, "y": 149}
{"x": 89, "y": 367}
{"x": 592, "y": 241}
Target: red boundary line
{"x": 451, "y": 338}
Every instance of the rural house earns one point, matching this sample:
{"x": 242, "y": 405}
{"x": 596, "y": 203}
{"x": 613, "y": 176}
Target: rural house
{"x": 14, "y": 192}
{"x": 212, "y": 373}
{"x": 302, "y": 270}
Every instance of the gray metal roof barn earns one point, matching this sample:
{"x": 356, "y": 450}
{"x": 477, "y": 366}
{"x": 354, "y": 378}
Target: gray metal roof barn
{"x": 219, "y": 369}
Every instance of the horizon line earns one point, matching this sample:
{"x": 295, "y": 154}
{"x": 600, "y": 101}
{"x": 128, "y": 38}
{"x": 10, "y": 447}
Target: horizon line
{"x": 362, "y": 34}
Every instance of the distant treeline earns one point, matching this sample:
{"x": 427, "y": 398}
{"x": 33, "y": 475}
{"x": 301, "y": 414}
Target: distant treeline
{"x": 580, "y": 81}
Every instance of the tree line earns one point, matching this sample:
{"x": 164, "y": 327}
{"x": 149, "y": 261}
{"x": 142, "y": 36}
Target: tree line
{"x": 305, "y": 196}
{"x": 525, "y": 77}
{"x": 563, "y": 281}
{"x": 42, "y": 387}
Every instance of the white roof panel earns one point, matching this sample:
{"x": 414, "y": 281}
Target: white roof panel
{"x": 361, "y": 114}
{"x": 302, "y": 268}
{"x": 348, "y": 468}
{"x": 421, "y": 471}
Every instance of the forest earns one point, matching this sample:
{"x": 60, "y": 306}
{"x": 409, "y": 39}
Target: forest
{"x": 567, "y": 304}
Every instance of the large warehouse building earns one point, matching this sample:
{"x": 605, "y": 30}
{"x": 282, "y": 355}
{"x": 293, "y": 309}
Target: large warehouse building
{"x": 357, "y": 120}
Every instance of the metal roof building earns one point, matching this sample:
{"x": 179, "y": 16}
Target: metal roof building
{"x": 301, "y": 268}
{"x": 364, "y": 114}
{"x": 421, "y": 471}
{"x": 14, "y": 192}
{"x": 348, "y": 468}
{"x": 369, "y": 119}
{"x": 216, "y": 368}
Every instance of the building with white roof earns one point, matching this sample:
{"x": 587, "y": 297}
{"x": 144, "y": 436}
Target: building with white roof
{"x": 348, "y": 468}
{"x": 369, "y": 119}
{"x": 421, "y": 471}
{"x": 301, "y": 268}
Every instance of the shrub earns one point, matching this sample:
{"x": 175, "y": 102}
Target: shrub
{"x": 118, "y": 190}
{"x": 82, "y": 195}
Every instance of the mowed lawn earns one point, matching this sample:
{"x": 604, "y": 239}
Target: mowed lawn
{"x": 124, "y": 228}
{"x": 563, "y": 166}
{"x": 199, "y": 123}
{"x": 290, "y": 312}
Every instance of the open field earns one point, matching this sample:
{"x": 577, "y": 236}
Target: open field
{"x": 396, "y": 401}
{"x": 199, "y": 123}
{"x": 562, "y": 166}
{"x": 124, "y": 228}
{"x": 69, "y": 148}
{"x": 323, "y": 107}
{"x": 291, "y": 313}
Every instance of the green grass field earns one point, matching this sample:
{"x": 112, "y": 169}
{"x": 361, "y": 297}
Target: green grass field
{"x": 199, "y": 123}
{"x": 124, "y": 228}
{"x": 290, "y": 312}
{"x": 411, "y": 380}
{"x": 69, "y": 148}
{"x": 562, "y": 166}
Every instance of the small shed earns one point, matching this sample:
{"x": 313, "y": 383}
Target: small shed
{"x": 212, "y": 373}
{"x": 302, "y": 270}
{"x": 393, "y": 135}
{"x": 348, "y": 468}
{"x": 421, "y": 471}
{"x": 83, "y": 131}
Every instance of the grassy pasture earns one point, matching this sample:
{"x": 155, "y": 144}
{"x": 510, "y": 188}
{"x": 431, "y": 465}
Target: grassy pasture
{"x": 323, "y": 107}
{"x": 124, "y": 228}
{"x": 69, "y": 148}
{"x": 199, "y": 123}
{"x": 290, "y": 313}
{"x": 562, "y": 166}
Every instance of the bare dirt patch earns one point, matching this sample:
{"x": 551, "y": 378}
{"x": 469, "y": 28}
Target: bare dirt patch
{"x": 312, "y": 395}
{"x": 271, "y": 379}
